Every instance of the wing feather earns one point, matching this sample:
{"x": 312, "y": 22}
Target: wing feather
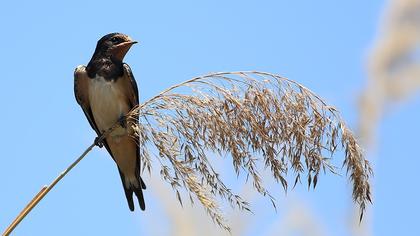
{"x": 133, "y": 92}
{"x": 81, "y": 92}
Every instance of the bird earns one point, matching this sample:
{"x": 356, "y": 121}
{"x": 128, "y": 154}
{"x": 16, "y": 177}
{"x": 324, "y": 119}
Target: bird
{"x": 106, "y": 91}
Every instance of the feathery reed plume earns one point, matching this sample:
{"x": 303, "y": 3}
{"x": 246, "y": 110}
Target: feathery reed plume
{"x": 393, "y": 66}
{"x": 256, "y": 117}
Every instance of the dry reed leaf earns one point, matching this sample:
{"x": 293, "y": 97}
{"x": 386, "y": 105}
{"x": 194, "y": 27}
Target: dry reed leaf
{"x": 255, "y": 117}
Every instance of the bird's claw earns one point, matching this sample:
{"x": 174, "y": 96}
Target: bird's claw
{"x": 123, "y": 121}
{"x": 98, "y": 142}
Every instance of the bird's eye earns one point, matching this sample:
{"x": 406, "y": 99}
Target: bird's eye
{"x": 115, "y": 40}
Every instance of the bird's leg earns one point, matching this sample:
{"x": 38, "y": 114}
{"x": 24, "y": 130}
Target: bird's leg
{"x": 98, "y": 142}
{"x": 123, "y": 121}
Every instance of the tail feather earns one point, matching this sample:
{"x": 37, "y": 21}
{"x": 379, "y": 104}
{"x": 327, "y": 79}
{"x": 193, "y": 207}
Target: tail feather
{"x": 129, "y": 196}
{"x": 143, "y": 185}
{"x": 139, "y": 194}
{"x": 137, "y": 188}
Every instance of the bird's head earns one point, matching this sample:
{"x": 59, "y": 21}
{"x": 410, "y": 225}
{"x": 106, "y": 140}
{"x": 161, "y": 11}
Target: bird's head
{"x": 114, "y": 45}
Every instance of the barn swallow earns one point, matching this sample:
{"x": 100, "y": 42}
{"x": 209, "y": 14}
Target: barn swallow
{"x": 106, "y": 90}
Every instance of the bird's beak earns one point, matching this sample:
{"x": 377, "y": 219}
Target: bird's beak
{"x": 126, "y": 44}
{"x": 121, "y": 49}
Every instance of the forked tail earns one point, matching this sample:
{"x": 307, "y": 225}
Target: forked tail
{"x": 133, "y": 185}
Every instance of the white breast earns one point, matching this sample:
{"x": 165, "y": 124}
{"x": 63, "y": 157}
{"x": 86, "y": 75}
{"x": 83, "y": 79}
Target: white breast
{"x": 108, "y": 103}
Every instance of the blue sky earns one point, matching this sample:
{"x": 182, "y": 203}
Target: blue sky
{"x": 323, "y": 45}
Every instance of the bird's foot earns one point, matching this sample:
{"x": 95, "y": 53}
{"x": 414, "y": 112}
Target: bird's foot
{"x": 98, "y": 142}
{"x": 123, "y": 121}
